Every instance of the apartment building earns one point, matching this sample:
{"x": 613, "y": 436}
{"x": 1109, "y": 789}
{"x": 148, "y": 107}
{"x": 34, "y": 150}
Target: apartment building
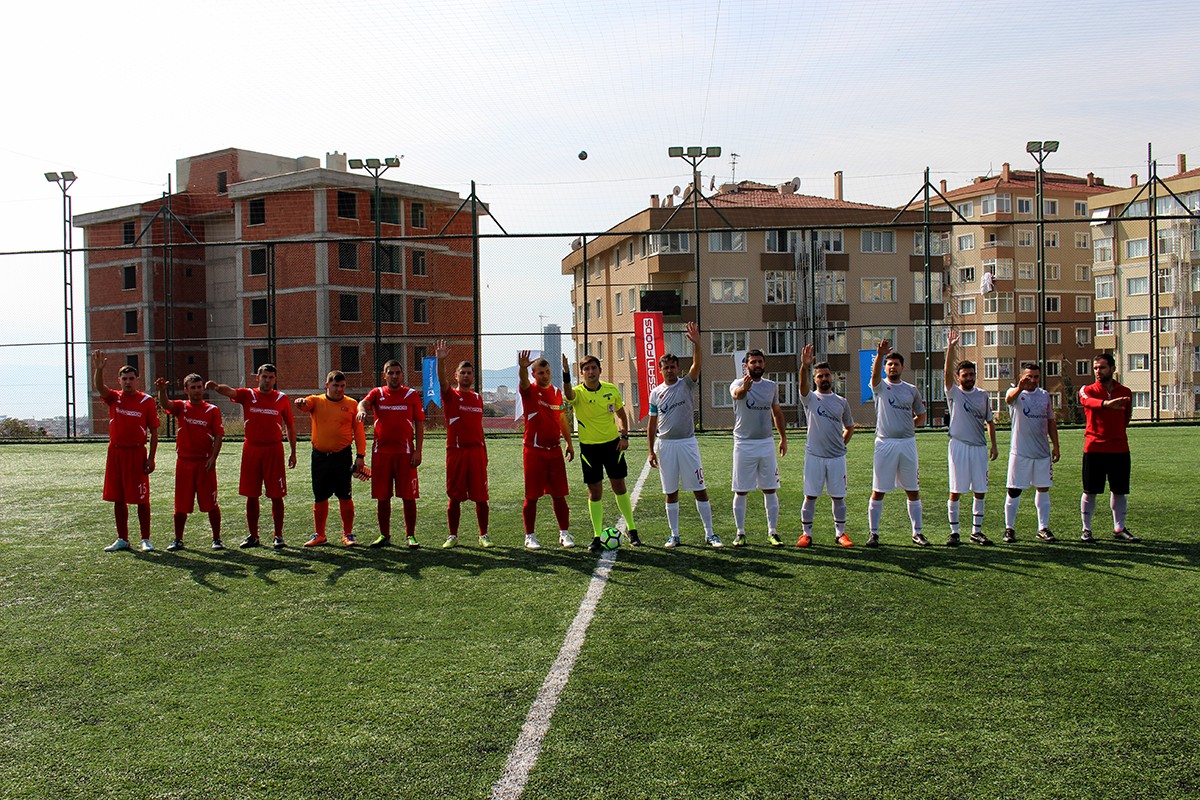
{"x": 777, "y": 270}
{"x": 1146, "y": 241}
{"x": 994, "y": 239}
{"x": 245, "y": 262}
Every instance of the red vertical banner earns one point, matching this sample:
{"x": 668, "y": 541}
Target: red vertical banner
{"x": 648, "y": 326}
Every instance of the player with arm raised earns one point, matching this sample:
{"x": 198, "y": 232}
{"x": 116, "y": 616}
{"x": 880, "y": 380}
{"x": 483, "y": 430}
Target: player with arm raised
{"x": 830, "y": 426}
{"x": 132, "y": 418}
{"x": 1108, "y": 407}
{"x": 756, "y": 416}
{"x": 1034, "y": 450}
{"x": 542, "y": 455}
{"x": 968, "y": 454}
{"x": 199, "y": 433}
{"x": 266, "y": 412}
{"x": 336, "y": 428}
{"x": 671, "y": 439}
{"x": 466, "y": 453}
{"x": 898, "y": 411}
{"x": 396, "y": 451}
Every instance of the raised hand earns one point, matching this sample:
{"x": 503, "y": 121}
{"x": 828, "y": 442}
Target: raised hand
{"x": 441, "y": 348}
{"x": 808, "y": 355}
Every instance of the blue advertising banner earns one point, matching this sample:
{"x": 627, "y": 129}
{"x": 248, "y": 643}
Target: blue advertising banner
{"x": 865, "y": 359}
{"x": 432, "y": 391}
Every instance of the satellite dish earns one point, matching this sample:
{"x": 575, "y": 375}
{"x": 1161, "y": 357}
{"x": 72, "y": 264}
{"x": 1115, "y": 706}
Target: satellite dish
{"x": 575, "y": 245}
{"x": 676, "y": 191}
{"x": 795, "y": 184}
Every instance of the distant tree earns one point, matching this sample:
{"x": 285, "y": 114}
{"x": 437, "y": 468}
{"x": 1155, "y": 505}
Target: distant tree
{"x": 19, "y": 429}
{"x": 1072, "y": 411}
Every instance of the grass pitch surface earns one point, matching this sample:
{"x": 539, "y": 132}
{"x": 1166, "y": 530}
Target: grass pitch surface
{"x": 1024, "y": 670}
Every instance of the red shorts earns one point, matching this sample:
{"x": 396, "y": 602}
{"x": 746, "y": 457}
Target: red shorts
{"x": 545, "y": 473}
{"x": 466, "y": 474}
{"x": 194, "y": 485}
{"x": 125, "y": 478}
{"x": 393, "y": 473}
{"x": 263, "y": 465}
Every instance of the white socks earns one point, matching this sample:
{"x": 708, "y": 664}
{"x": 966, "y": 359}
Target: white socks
{"x": 874, "y": 515}
{"x": 807, "y": 512}
{"x": 914, "y": 515}
{"x": 952, "y": 514}
{"x": 977, "y": 515}
{"x": 839, "y": 515}
{"x": 1118, "y": 503}
{"x": 771, "y": 503}
{"x": 739, "y": 512}
{"x": 705, "y": 516}
{"x": 1087, "y": 507}
{"x": 673, "y": 518}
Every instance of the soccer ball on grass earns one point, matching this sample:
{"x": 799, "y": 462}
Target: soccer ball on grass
{"x": 610, "y": 538}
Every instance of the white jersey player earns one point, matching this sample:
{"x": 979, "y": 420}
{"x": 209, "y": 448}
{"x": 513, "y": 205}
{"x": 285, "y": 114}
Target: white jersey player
{"x": 755, "y": 410}
{"x": 968, "y": 455}
{"x": 830, "y": 426}
{"x": 1034, "y": 450}
{"x": 671, "y": 439}
{"x": 898, "y": 410}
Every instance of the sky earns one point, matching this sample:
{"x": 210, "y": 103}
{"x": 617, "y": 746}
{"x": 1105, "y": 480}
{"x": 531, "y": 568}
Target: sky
{"x": 508, "y": 93}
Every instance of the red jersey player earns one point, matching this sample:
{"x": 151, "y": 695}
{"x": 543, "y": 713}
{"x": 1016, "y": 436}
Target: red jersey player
{"x": 542, "y": 455}
{"x": 396, "y": 451}
{"x": 131, "y": 417}
{"x": 466, "y": 454}
{"x": 1108, "y": 407}
{"x": 266, "y": 412}
{"x": 198, "y": 438}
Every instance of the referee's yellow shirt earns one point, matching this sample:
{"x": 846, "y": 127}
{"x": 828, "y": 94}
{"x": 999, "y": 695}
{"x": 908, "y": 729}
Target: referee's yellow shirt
{"x": 594, "y": 411}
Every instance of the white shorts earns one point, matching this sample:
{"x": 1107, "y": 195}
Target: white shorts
{"x": 895, "y": 465}
{"x": 824, "y": 473}
{"x": 968, "y": 467}
{"x": 754, "y": 465}
{"x": 679, "y": 465}
{"x": 1026, "y": 472}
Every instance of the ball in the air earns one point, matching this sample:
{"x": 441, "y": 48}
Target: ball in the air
{"x": 610, "y": 538}
{"x": 583, "y": 155}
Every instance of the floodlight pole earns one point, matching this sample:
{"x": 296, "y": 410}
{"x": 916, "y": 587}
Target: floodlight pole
{"x": 376, "y": 168}
{"x": 64, "y": 182}
{"x": 1039, "y": 151}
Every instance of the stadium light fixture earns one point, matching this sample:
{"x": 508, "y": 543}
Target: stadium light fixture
{"x": 356, "y": 163}
{"x": 377, "y": 167}
{"x": 52, "y": 177}
{"x": 64, "y": 182}
{"x": 673, "y": 152}
{"x": 1039, "y": 150}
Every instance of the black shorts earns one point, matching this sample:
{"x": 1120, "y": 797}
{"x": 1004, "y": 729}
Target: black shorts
{"x": 598, "y": 459}
{"x": 1113, "y": 466}
{"x": 331, "y": 474}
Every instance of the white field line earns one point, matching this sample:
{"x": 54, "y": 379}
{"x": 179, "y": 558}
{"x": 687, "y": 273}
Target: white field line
{"x": 525, "y": 752}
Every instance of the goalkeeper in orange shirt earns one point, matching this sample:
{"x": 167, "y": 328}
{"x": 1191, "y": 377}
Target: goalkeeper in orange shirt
{"x": 335, "y": 428}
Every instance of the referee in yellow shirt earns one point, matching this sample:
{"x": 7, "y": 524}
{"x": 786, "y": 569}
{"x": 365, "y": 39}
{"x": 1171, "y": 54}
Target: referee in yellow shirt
{"x": 598, "y": 410}
{"x": 335, "y": 427}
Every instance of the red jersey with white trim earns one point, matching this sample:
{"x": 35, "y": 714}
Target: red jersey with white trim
{"x": 199, "y": 426}
{"x": 395, "y": 414}
{"x": 130, "y": 417}
{"x": 1105, "y": 432}
{"x": 464, "y": 417}
{"x": 265, "y": 414}
{"x": 542, "y": 409}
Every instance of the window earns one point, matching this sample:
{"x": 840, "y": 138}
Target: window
{"x": 939, "y": 244}
{"x": 390, "y": 258}
{"x": 600, "y": 349}
{"x": 966, "y": 305}
{"x": 727, "y": 290}
{"x": 781, "y": 241}
{"x": 836, "y": 337}
{"x": 258, "y": 311}
{"x": 633, "y": 298}
{"x": 1028, "y": 336}
{"x": 132, "y": 360}
{"x": 669, "y": 243}
{"x": 674, "y": 338}
{"x": 630, "y": 253}
{"x": 726, "y": 242}
{"x": 618, "y": 304}
{"x": 995, "y": 336}
{"x": 599, "y": 308}
{"x": 1050, "y": 208}
{"x": 1102, "y": 250}
{"x": 877, "y": 290}
{"x": 831, "y": 286}
{"x": 222, "y": 182}
{"x": 1083, "y": 304}
{"x": 131, "y": 319}
{"x": 347, "y": 205}
{"x": 1053, "y": 303}
{"x": 347, "y": 256}
{"x": 787, "y": 386}
{"x": 390, "y": 206}
{"x": 781, "y": 338}
{"x": 1024, "y": 205}
{"x": 1141, "y": 399}
{"x": 1166, "y": 359}
{"x": 967, "y": 338}
{"x": 720, "y": 395}
{"x": 420, "y": 262}
{"x": 1137, "y": 285}
{"x": 966, "y": 209}
{"x": 417, "y": 215}
{"x": 617, "y": 257}
{"x": 1053, "y": 335}
{"x": 1027, "y": 303}
{"x": 1051, "y": 238}
{"x": 830, "y": 241}
{"x": 1002, "y": 268}
{"x": 1166, "y": 281}
{"x": 991, "y": 369}
{"x": 259, "y": 356}
{"x": 1082, "y": 241}
{"x": 935, "y": 287}
{"x": 780, "y": 288}
{"x": 1139, "y": 209}
{"x": 1083, "y": 272}
{"x": 1053, "y": 369}
{"x": 728, "y": 342}
{"x": 129, "y": 276}
{"x": 1139, "y": 362}
{"x": 938, "y": 335}
{"x": 1105, "y": 323}
{"x": 870, "y": 337}
{"x": 1081, "y": 209}
{"x": 966, "y": 274}
{"x": 998, "y": 303}
{"x": 987, "y": 204}
{"x": 128, "y": 232}
{"x": 966, "y": 241}
{"x": 1083, "y": 367}
{"x": 1137, "y": 248}
{"x": 1053, "y": 272}
{"x": 1138, "y": 325}
{"x": 258, "y": 211}
{"x": 420, "y": 353}
{"x": 391, "y": 307}
{"x": 1083, "y": 337}
{"x": 1105, "y": 287}
{"x": 348, "y": 307}
{"x": 878, "y": 242}
{"x": 1166, "y": 324}
{"x": 620, "y": 348}
{"x": 349, "y": 359}
{"x": 1025, "y": 270}
{"x": 1024, "y": 238}
{"x": 258, "y": 261}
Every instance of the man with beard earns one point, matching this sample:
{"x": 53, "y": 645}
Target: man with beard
{"x": 542, "y": 456}
{"x": 199, "y": 433}
{"x": 970, "y": 415}
{"x": 396, "y": 450}
{"x": 466, "y": 453}
{"x": 132, "y": 418}
{"x": 755, "y": 409}
{"x": 1031, "y": 459}
{"x": 830, "y": 426}
{"x": 1108, "y": 407}
{"x": 898, "y": 411}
